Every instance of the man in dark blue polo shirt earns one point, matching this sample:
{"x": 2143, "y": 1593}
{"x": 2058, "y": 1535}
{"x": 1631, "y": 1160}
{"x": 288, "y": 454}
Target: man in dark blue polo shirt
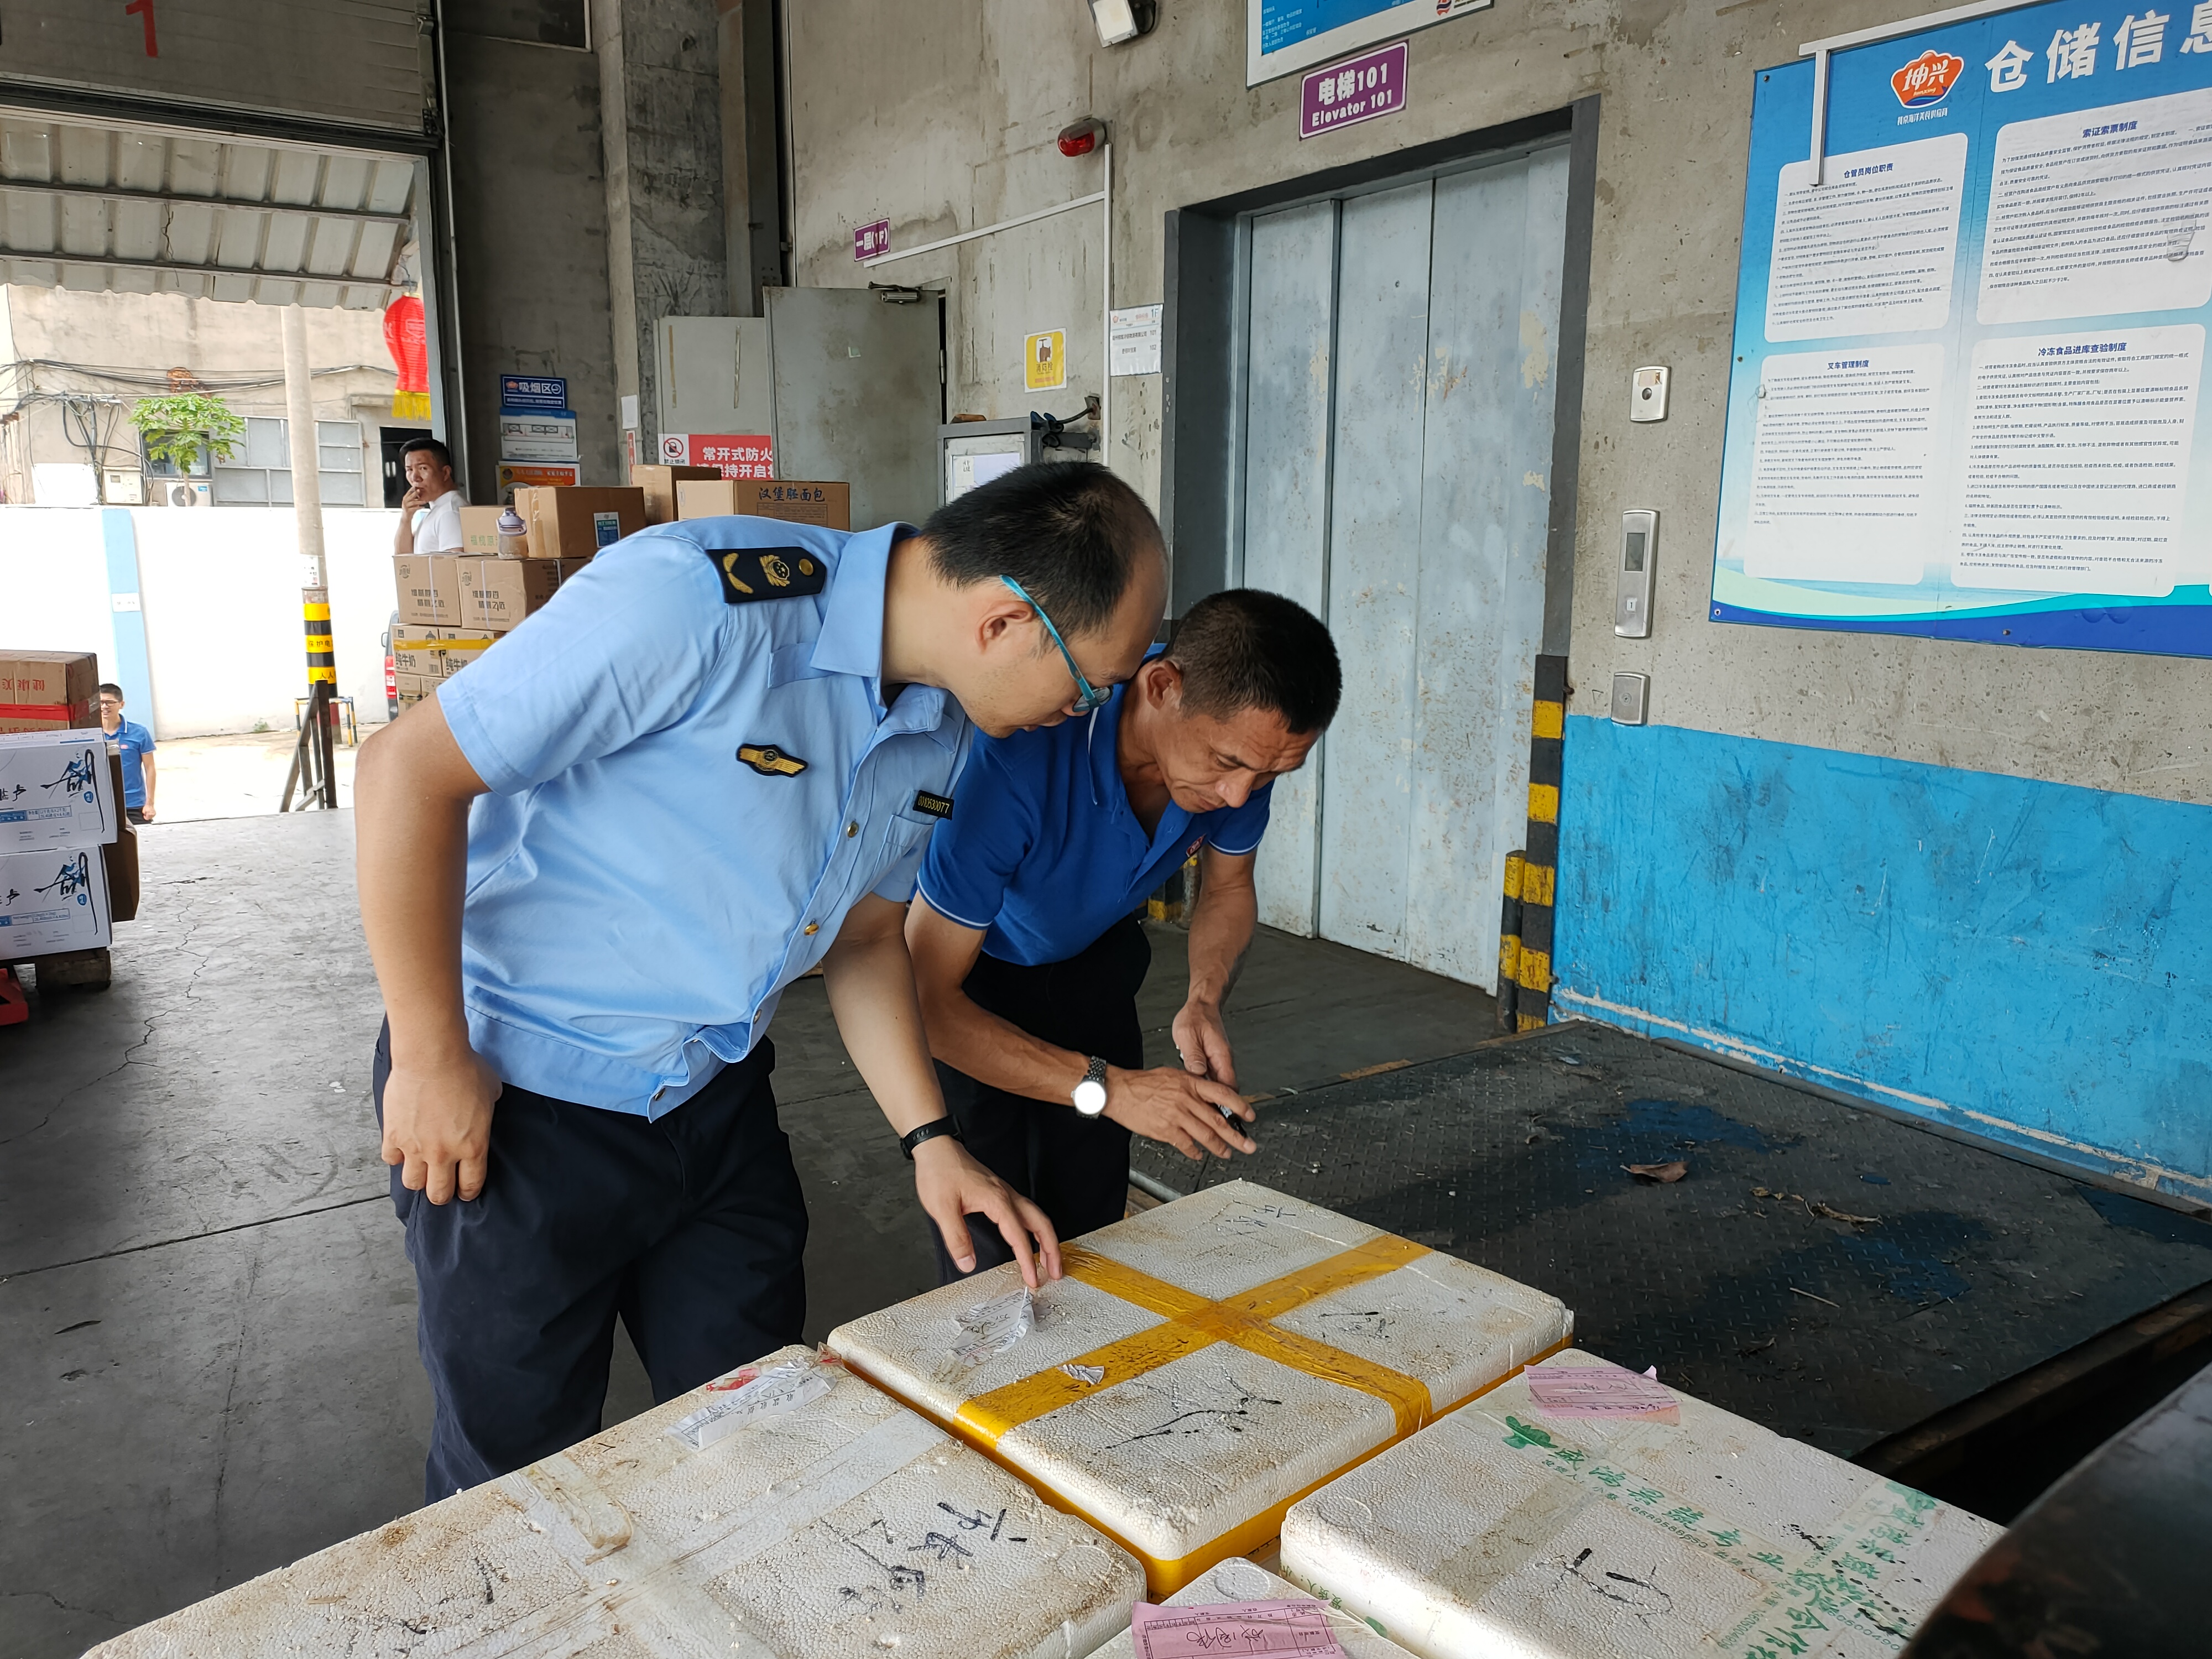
{"x": 1027, "y": 951}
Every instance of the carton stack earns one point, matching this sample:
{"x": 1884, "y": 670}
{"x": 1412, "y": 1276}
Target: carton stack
{"x": 1585, "y": 1510}
{"x": 787, "y": 1510}
{"x": 1206, "y": 1365}
{"x": 800, "y": 501}
{"x": 61, "y": 810}
{"x": 454, "y": 607}
{"x": 48, "y": 691}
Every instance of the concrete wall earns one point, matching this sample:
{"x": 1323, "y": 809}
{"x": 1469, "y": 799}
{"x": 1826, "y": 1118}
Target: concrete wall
{"x": 529, "y": 216}
{"x": 220, "y": 595}
{"x": 945, "y": 121}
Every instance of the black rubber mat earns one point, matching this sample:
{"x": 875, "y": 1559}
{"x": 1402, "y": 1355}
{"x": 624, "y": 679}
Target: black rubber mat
{"x": 1749, "y": 1282}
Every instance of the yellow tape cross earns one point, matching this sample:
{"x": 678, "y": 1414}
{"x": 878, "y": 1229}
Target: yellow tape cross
{"x": 1193, "y": 1323}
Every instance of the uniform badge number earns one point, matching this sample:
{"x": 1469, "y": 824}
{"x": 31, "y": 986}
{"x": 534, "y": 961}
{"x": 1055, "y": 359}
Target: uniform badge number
{"x": 936, "y": 806}
{"x": 769, "y": 761}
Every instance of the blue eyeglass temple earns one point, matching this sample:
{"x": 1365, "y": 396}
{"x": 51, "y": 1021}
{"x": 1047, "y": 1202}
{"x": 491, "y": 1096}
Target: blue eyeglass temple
{"x": 1090, "y": 696}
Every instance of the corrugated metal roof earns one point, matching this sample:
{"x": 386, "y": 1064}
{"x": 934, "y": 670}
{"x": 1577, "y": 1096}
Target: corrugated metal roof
{"x": 144, "y": 211}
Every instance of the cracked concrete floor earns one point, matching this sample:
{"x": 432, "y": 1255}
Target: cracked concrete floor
{"x": 207, "y": 1345}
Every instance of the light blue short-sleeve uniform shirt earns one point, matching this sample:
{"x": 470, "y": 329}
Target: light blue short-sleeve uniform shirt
{"x": 693, "y": 780}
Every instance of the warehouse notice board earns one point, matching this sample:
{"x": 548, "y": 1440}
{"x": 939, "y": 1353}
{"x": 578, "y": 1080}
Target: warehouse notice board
{"x": 1968, "y": 377}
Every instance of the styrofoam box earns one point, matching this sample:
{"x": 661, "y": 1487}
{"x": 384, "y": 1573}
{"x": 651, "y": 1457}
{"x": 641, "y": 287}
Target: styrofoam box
{"x": 53, "y": 901}
{"x": 846, "y": 1526}
{"x": 1195, "y": 1438}
{"x": 1503, "y": 1530}
{"x": 56, "y": 789}
{"x": 1239, "y": 1580}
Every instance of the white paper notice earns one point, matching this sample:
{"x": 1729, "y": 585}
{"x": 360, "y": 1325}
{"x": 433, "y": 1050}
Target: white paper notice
{"x": 2077, "y": 457}
{"x": 2100, "y": 212}
{"x": 1869, "y": 251}
{"x": 1132, "y": 340}
{"x": 1840, "y": 490}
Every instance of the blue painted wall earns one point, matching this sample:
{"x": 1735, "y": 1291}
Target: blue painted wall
{"x": 2029, "y": 961}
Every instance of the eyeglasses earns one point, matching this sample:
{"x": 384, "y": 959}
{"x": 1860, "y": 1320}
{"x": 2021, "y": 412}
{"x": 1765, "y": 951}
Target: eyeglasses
{"x": 1089, "y": 696}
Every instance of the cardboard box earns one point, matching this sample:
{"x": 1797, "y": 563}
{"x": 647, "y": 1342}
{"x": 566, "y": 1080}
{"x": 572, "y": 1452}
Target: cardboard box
{"x": 418, "y": 650}
{"x": 519, "y": 474}
{"x": 829, "y": 506}
{"x": 48, "y": 691}
{"x": 58, "y": 789}
{"x": 480, "y": 529}
{"x": 496, "y": 594}
{"x": 537, "y": 437}
{"x": 53, "y": 901}
{"x": 575, "y": 524}
{"x": 660, "y": 483}
{"x": 429, "y": 586}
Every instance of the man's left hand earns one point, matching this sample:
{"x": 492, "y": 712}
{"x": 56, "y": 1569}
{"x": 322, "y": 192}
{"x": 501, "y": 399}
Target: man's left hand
{"x": 1203, "y": 1041}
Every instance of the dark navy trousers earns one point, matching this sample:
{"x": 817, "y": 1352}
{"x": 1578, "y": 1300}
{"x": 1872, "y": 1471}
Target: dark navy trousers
{"x": 691, "y": 1229}
{"x": 1075, "y": 1168}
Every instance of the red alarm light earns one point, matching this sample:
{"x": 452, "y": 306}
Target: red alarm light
{"x": 1084, "y": 136}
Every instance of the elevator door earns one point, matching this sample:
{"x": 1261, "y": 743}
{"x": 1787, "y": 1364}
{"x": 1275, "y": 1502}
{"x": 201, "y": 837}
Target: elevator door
{"x": 1399, "y": 354}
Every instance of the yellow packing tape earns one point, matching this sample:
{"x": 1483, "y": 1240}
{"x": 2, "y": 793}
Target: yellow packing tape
{"x": 1193, "y": 1322}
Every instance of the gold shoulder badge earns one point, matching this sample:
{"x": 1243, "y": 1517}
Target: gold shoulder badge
{"x": 767, "y": 573}
{"x": 935, "y": 806}
{"x": 769, "y": 761}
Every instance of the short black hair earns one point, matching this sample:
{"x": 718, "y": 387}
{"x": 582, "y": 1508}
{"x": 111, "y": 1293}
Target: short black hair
{"x": 110, "y": 689}
{"x": 430, "y": 446}
{"x": 1069, "y": 531}
{"x": 1246, "y": 649}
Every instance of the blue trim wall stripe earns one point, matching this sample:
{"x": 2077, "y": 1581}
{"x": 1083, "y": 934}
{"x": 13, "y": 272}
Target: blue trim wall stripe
{"x": 2028, "y": 960}
{"x": 133, "y": 668}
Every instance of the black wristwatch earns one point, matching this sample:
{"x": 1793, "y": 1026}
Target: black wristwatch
{"x": 930, "y": 1131}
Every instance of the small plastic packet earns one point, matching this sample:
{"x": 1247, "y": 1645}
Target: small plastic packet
{"x": 992, "y": 1327}
{"x": 747, "y": 1394}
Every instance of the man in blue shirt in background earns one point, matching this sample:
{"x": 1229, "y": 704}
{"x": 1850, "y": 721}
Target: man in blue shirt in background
{"x": 1026, "y": 948}
{"x": 589, "y": 868}
{"x": 137, "y": 743}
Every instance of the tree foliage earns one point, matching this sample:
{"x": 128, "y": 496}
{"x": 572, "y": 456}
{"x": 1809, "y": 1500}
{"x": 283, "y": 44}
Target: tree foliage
{"x": 177, "y": 427}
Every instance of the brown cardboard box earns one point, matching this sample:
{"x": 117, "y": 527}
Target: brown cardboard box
{"x": 497, "y": 593}
{"x": 467, "y": 645}
{"x": 429, "y": 586}
{"x": 418, "y": 650}
{"x": 576, "y": 522}
{"x": 480, "y": 529}
{"x": 660, "y": 483}
{"x": 411, "y": 689}
{"x": 829, "y": 506}
{"x": 49, "y": 691}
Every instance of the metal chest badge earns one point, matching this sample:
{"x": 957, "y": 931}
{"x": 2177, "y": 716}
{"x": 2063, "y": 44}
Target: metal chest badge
{"x": 769, "y": 761}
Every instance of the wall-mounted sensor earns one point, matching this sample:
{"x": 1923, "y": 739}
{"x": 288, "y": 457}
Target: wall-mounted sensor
{"x": 1639, "y": 549}
{"x": 1647, "y": 395}
{"x": 1631, "y": 697}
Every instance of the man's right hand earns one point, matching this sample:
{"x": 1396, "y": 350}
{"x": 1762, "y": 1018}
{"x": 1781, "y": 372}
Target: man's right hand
{"x": 1180, "y": 1108}
{"x": 413, "y": 499}
{"x": 437, "y": 1124}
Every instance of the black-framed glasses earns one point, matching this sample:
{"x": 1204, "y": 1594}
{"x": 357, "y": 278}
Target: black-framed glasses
{"x": 1088, "y": 697}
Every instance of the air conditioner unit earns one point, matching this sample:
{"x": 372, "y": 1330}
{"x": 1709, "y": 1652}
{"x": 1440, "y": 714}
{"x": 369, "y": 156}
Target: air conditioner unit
{"x": 185, "y": 492}
{"x": 120, "y": 487}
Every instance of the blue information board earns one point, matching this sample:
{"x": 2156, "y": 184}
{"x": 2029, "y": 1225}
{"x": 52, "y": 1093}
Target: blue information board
{"x": 1968, "y": 377}
{"x": 1284, "y": 36}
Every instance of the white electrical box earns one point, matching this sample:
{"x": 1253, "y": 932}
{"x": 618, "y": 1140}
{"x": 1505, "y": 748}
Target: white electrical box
{"x": 1639, "y": 548}
{"x": 1647, "y": 395}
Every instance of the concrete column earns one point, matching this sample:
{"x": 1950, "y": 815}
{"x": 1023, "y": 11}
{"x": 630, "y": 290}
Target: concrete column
{"x": 661, "y": 130}
{"x": 299, "y": 417}
{"x": 753, "y": 152}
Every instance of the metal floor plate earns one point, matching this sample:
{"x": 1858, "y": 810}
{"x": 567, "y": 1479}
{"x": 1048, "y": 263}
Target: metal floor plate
{"x": 1969, "y": 1269}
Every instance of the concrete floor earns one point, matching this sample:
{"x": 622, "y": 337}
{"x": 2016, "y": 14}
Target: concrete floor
{"x": 207, "y": 1350}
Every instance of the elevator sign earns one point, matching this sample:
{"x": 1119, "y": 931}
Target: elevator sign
{"x": 1355, "y": 90}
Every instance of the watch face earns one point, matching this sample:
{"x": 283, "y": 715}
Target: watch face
{"x": 1089, "y": 1097}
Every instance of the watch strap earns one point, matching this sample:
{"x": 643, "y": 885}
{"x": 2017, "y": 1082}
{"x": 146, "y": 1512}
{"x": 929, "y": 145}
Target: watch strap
{"x": 930, "y": 1131}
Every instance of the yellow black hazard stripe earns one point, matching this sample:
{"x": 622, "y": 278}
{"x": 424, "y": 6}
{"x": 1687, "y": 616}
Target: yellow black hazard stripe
{"x": 1524, "y": 946}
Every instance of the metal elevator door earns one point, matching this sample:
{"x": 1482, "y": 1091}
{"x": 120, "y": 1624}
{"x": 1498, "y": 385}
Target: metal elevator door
{"x": 1399, "y": 355}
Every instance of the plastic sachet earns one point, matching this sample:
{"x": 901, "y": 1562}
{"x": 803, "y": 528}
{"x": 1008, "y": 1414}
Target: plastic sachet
{"x": 992, "y": 1327}
{"x": 747, "y": 1394}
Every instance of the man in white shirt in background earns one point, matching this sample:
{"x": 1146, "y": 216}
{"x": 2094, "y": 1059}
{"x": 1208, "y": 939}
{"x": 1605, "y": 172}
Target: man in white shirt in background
{"x": 430, "y": 511}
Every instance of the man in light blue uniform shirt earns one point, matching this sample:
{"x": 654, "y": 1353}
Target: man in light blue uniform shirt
{"x": 589, "y": 868}
{"x": 1026, "y": 948}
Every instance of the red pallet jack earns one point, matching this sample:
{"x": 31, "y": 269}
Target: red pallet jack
{"x": 14, "y": 1008}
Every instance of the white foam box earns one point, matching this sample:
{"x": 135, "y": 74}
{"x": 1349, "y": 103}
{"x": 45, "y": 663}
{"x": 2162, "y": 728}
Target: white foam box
{"x": 1247, "y": 1347}
{"x": 1239, "y": 1580}
{"x": 843, "y": 1526}
{"x": 56, "y": 790}
{"x": 1504, "y": 1529}
{"x": 54, "y": 901}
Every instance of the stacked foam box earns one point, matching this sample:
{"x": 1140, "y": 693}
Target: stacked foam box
{"x": 1204, "y": 1364}
{"x": 1579, "y": 1512}
{"x": 797, "y": 1513}
{"x": 60, "y": 810}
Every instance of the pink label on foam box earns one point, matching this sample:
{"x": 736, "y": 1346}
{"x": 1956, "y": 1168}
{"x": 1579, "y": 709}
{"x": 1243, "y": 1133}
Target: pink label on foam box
{"x": 1601, "y": 1391}
{"x": 1233, "y": 1627}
